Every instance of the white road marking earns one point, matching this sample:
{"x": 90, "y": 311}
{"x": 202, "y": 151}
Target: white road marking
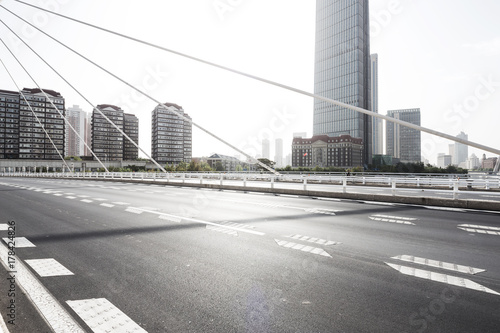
{"x": 4, "y": 226}
{"x": 170, "y": 218}
{"x": 222, "y": 230}
{"x": 325, "y": 211}
{"x": 440, "y": 264}
{"x": 443, "y": 278}
{"x": 54, "y": 314}
{"x": 201, "y": 221}
{"x": 57, "y": 194}
{"x": 121, "y": 203}
{"x": 480, "y": 231}
{"x": 446, "y": 208}
{"x": 86, "y": 200}
{"x": 479, "y": 227}
{"x": 19, "y": 242}
{"x": 99, "y": 199}
{"x": 83, "y": 196}
{"x": 48, "y": 267}
{"x": 107, "y": 205}
{"x": 313, "y": 240}
{"x": 379, "y": 203}
{"x": 102, "y": 316}
{"x": 396, "y": 217}
{"x": 301, "y": 247}
{"x": 70, "y": 197}
{"x": 134, "y": 210}
{"x": 382, "y": 219}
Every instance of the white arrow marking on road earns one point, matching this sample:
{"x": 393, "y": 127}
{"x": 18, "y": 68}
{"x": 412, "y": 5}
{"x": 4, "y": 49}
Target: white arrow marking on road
{"x": 440, "y": 264}
{"x": 304, "y": 248}
{"x": 479, "y": 227}
{"x": 443, "y": 278}
{"x": 382, "y": 219}
{"x": 313, "y": 240}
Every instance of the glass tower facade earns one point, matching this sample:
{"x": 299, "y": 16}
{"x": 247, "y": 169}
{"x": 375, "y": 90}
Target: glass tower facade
{"x": 403, "y": 142}
{"x": 342, "y": 70}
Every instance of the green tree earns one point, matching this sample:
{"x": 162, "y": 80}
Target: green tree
{"x": 181, "y": 167}
{"x": 219, "y": 166}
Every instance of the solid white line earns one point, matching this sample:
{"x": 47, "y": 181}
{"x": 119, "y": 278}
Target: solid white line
{"x": 446, "y": 208}
{"x": 55, "y": 315}
{"x": 440, "y": 264}
{"x": 443, "y": 278}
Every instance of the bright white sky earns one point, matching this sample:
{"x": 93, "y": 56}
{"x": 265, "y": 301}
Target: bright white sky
{"x": 439, "y": 55}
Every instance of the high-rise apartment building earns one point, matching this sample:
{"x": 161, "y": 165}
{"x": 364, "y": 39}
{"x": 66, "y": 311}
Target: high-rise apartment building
{"x": 266, "y": 149}
{"x": 377, "y": 123}
{"x": 461, "y": 151}
{"x": 22, "y": 136}
{"x": 171, "y": 141}
{"x": 77, "y": 118}
{"x": 403, "y": 142}
{"x": 107, "y": 141}
{"x": 278, "y": 153}
{"x": 342, "y": 70}
{"x": 131, "y": 129}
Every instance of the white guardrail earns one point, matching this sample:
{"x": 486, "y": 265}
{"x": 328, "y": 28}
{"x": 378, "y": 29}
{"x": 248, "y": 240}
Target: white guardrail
{"x": 456, "y": 184}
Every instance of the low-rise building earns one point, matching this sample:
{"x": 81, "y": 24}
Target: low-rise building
{"x": 325, "y": 151}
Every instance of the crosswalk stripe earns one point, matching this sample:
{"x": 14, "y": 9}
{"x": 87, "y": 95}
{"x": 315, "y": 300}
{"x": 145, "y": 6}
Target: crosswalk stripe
{"x": 301, "y": 247}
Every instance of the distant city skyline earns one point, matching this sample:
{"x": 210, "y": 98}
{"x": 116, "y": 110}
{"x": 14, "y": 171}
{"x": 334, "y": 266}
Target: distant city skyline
{"x": 446, "y": 68}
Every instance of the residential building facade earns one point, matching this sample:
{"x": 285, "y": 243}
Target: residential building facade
{"x": 107, "y": 141}
{"x": 171, "y": 135}
{"x": 75, "y": 143}
{"x": 342, "y": 70}
{"x": 131, "y": 129}
{"x": 403, "y": 142}
{"x": 324, "y": 151}
{"x": 22, "y": 135}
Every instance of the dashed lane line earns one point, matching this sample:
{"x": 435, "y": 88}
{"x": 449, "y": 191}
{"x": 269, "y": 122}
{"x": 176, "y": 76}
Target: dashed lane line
{"x": 70, "y": 197}
{"x": 390, "y": 220}
{"x": 107, "y": 205}
{"x": 443, "y": 278}
{"x": 481, "y": 231}
{"x": 19, "y": 242}
{"x": 222, "y": 230}
{"x": 102, "y": 316}
{"x": 475, "y": 226}
{"x": 48, "y": 267}
{"x": 56, "y": 316}
{"x": 439, "y": 264}
{"x": 86, "y": 201}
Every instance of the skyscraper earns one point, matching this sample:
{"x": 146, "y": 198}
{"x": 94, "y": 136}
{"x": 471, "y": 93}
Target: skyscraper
{"x": 342, "y": 70}
{"x": 461, "y": 151}
{"x": 377, "y": 123}
{"x": 278, "y": 153}
{"x": 171, "y": 141}
{"x": 403, "y": 142}
{"x": 266, "y": 149}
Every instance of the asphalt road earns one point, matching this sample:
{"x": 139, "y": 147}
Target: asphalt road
{"x": 172, "y": 259}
